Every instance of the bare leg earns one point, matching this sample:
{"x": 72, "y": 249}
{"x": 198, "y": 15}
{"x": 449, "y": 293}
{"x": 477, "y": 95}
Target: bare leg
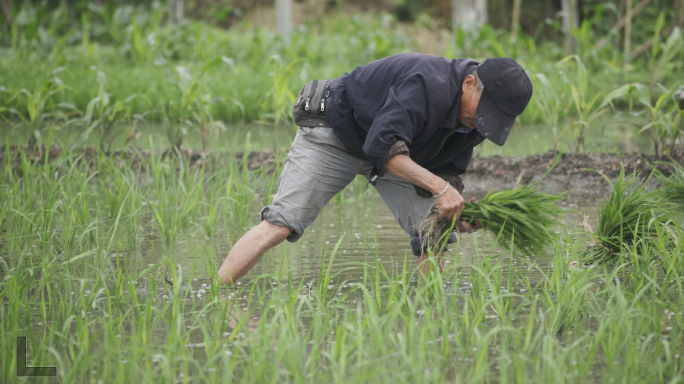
{"x": 249, "y": 249}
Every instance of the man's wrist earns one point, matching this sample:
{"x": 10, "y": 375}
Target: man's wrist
{"x": 438, "y": 185}
{"x": 443, "y": 191}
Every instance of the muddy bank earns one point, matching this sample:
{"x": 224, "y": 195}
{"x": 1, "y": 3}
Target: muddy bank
{"x": 571, "y": 173}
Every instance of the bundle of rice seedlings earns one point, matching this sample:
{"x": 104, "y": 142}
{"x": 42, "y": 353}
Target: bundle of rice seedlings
{"x": 630, "y": 216}
{"x": 522, "y": 215}
{"x": 672, "y": 186}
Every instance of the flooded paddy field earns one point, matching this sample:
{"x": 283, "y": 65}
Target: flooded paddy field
{"x": 109, "y": 269}
{"x": 141, "y": 138}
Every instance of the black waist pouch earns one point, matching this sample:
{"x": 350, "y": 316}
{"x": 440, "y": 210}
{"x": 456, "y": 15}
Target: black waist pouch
{"x": 309, "y": 109}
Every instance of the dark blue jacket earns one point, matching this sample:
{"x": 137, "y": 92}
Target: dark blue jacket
{"x": 410, "y": 97}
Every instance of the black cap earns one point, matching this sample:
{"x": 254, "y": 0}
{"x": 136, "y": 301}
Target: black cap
{"x": 507, "y": 90}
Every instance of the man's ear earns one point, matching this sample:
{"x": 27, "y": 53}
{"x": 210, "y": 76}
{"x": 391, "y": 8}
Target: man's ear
{"x": 469, "y": 82}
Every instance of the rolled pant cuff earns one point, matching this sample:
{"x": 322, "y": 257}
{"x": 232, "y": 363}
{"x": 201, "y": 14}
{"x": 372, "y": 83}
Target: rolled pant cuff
{"x": 284, "y": 219}
{"x": 418, "y": 250}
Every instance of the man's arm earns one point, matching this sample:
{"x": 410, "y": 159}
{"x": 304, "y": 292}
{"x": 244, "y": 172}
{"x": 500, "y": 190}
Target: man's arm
{"x": 402, "y": 118}
{"x": 450, "y": 203}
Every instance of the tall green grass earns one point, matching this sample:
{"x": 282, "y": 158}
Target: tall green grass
{"x": 672, "y": 187}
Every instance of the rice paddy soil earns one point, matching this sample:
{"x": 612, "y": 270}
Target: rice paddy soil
{"x": 574, "y": 172}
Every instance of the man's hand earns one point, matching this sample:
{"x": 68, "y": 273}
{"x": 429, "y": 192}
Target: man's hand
{"x": 466, "y": 227}
{"x": 450, "y": 203}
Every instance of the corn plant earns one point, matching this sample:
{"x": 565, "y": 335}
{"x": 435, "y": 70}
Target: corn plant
{"x": 11, "y": 96}
{"x": 192, "y": 108}
{"x": 665, "y": 125}
{"x": 142, "y": 40}
{"x": 36, "y": 104}
{"x": 279, "y": 99}
{"x": 582, "y": 108}
{"x": 549, "y": 103}
{"x": 103, "y": 113}
{"x": 663, "y": 53}
{"x": 664, "y": 120}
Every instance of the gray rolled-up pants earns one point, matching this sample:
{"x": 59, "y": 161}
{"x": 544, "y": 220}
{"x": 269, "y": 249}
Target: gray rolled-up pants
{"x": 318, "y": 167}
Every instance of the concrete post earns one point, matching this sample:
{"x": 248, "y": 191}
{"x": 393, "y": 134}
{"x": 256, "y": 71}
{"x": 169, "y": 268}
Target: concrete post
{"x": 466, "y": 13}
{"x": 284, "y": 21}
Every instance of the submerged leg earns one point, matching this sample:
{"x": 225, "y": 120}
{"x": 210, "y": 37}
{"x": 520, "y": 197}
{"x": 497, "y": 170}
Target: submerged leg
{"x": 316, "y": 169}
{"x": 408, "y": 208}
{"x": 249, "y": 249}
{"x": 425, "y": 264}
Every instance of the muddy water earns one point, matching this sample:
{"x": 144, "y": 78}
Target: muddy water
{"x": 361, "y": 223}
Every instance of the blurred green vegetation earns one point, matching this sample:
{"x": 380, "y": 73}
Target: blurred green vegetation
{"x": 107, "y": 66}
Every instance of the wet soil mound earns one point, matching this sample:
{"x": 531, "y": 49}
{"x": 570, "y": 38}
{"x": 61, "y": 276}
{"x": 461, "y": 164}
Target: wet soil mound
{"x": 573, "y": 171}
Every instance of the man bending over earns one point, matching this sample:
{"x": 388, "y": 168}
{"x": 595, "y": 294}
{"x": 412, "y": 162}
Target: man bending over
{"x": 408, "y": 123}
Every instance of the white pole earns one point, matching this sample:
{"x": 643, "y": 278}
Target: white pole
{"x": 284, "y": 21}
{"x": 481, "y": 7}
{"x": 180, "y": 11}
{"x": 454, "y": 14}
{"x": 570, "y": 14}
{"x": 515, "y": 20}
{"x": 468, "y": 13}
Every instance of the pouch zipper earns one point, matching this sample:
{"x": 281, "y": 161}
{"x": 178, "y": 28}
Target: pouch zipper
{"x": 311, "y": 94}
{"x": 323, "y": 99}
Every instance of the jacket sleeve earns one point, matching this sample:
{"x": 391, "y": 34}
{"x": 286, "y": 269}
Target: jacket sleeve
{"x": 401, "y": 118}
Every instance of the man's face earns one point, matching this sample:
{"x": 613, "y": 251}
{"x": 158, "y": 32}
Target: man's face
{"x": 469, "y": 101}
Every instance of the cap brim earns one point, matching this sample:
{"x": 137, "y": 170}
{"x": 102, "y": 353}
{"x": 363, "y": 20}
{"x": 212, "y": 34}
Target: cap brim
{"x": 491, "y": 122}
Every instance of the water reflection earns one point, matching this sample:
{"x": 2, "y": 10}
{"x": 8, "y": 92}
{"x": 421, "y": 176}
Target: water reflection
{"x": 370, "y": 234}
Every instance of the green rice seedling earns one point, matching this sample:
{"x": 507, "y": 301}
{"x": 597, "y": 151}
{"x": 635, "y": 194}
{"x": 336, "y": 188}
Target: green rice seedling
{"x": 523, "y": 216}
{"x": 324, "y": 275}
{"x": 630, "y": 215}
{"x": 561, "y": 294}
{"x": 240, "y": 190}
{"x": 213, "y": 208}
{"x": 178, "y": 194}
{"x": 672, "y": 187}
